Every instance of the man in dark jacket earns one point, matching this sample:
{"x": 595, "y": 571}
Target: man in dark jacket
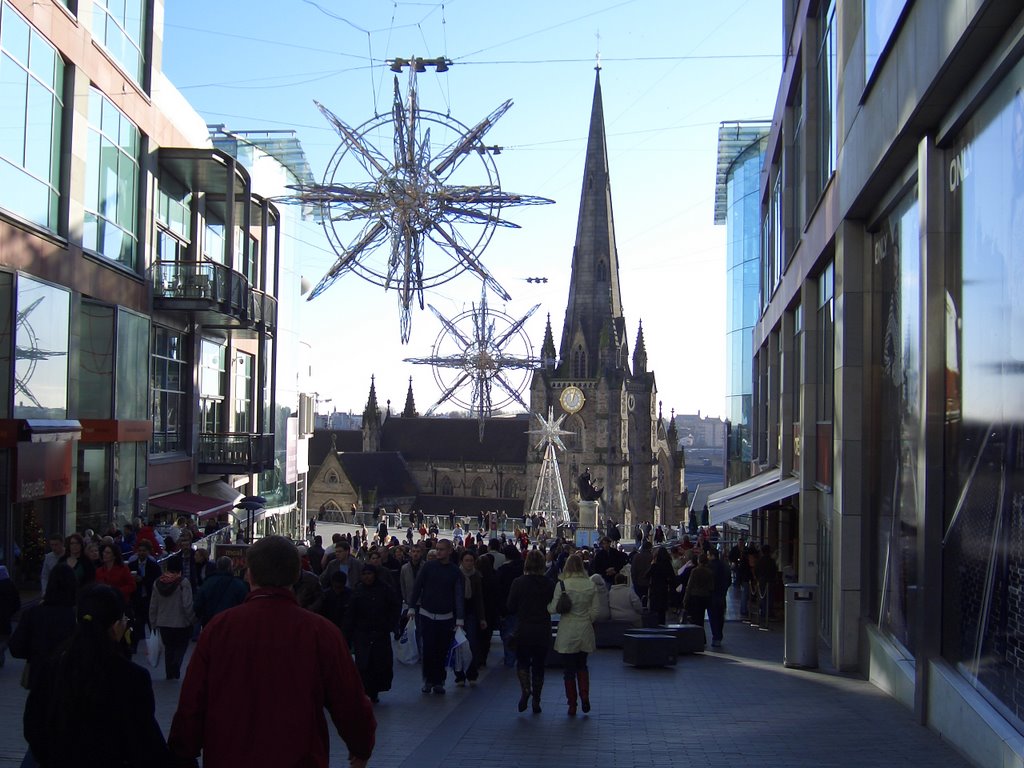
{"x": 229, "y": 680}
{"x": 716, "y": 609}
{"x": 608, "y": 561}
{"x": 438, "y": 596}
{"x": 220, "y": 591}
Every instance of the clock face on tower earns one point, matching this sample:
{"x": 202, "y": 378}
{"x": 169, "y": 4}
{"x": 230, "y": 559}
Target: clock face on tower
{"x": 571, "y": 399}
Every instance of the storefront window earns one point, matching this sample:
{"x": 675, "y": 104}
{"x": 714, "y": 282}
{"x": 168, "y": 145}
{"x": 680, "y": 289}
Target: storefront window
{"x": 41, "y": 351}
{"x": 983, "y": 552}
{"x": 898, "y": 336}
{"x": 129, "y": 475}
{"x": 93, "y": 495}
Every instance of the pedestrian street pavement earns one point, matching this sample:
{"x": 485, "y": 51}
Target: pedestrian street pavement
{"x": 733, "y": 706}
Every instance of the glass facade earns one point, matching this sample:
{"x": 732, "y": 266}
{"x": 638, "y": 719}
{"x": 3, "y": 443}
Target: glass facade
{"x": 825, "y": 366}
{"x": 111, "y": 183}
{"x": 828, "y": 89}
{"x": 132, "y": 366}
{"x": 983, "y": 552}
{"x": 31, "y": 91}
{"x": 41, "y": 338}
{"x": 120, "y": 25}
{"x": 741, "y": 296}
{"x": 6, "y": 321}
{"x": 897, "y": 331}
{"x": 96, "y": 361}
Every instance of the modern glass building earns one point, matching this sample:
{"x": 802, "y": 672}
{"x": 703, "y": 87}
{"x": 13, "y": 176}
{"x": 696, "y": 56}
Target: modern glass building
{"x": 888, "y": 402}
{"x": 140, "y": 282}
{"x": 741, "y": 147}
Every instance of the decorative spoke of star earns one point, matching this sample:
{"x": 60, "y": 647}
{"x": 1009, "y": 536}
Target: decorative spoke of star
{"x": 549, "y": 430}
{"x": 415, "y": 203}
{"x": 488, "y": 345}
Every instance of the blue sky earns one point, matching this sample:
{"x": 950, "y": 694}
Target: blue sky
{"x": 672, "y": 70}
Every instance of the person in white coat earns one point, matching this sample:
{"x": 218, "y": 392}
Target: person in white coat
{"x": 623, "y": 602}
{"x": 575, "y": 638}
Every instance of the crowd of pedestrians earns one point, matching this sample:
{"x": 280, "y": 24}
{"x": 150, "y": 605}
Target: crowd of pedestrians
{"x": 334, "y": 613}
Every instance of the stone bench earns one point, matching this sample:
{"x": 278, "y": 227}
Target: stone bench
{"x": 609, "y": 633}
{"x": 649, "y": 649}
{"x": 690, "y": 638}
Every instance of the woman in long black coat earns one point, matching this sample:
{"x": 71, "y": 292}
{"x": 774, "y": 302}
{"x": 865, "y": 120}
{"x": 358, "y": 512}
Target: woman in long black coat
{"x": 528, "y": 600}
{"x": 662, "y": 583}
{"x": 370, "y": 618}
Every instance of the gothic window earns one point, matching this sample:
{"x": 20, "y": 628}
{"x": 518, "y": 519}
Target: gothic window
{"x": 332, "y": 478}
{"x": 602, "y": 272}
{"x": 511, "y": 489}
{"x": 446, "y": 486}
{"x": 579, "y": 363}
{"x": 478, "y": 487}
{"x": 574, "y": 441}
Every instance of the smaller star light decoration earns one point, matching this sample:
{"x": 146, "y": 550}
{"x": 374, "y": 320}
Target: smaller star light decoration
{"x": 549, "y": 498}
{"x": 476, "y": 359}
{"x": 401, "y": 219}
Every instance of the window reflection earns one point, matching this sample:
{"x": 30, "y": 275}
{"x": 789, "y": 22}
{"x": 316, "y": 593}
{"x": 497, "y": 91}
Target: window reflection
{"x": 41, "y": 351}
{"x": 983, "y": 552}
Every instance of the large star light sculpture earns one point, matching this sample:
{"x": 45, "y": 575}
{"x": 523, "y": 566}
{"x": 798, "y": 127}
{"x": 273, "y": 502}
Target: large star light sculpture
{"x": 384, "y": 214}
{"x": 477, "y": 352}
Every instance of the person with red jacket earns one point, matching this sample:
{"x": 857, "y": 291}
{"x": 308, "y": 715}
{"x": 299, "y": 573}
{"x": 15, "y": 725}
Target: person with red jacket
{"x": 114, "y": 572}
{"x": 229, "y": 680}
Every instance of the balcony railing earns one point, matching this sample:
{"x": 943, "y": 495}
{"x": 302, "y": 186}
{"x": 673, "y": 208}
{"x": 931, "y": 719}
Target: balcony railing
{"x": 200, "y": 286}
{"x": 235, "y": 453}
{"x": 263, "y": 309}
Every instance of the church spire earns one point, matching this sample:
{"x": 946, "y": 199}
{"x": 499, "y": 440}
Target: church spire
{"x": 640, "y": 352}
{"x": 371, "y": 420}
{"x": 594, "y": 296}
{"x": 547, "y": 350}
{"x": 410, "y": 405}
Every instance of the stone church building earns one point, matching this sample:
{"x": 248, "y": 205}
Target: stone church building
{"x": 607, "y": 394}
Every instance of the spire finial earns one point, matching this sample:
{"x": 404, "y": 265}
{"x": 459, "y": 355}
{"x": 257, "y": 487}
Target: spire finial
{"x": 597, "y": 57}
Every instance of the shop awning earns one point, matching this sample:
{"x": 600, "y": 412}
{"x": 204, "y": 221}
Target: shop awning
{"x": 218, "y": 489}
{"x": 757, "y": 495}
{"x": 192, "y": 504}
{"x": 772, "y": 475}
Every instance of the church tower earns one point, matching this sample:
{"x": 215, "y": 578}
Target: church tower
{"x": 371, "y": 420}
{"x": 609, "y": 404}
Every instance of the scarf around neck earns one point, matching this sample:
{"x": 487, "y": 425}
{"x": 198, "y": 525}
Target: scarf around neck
{"x": 467, "y": 578}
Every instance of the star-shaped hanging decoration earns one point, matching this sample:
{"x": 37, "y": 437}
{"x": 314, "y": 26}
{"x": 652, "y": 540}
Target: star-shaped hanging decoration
{"x": 416, "y": 200}
{"x": 549, "y": 430}
{"x": 482, "y": 348}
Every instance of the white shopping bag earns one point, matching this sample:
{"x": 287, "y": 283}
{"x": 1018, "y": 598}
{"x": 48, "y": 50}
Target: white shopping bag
{"x": 154, "y": 647}
{"x": 459, "y": 653}
{"x": 407, "y": 652}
